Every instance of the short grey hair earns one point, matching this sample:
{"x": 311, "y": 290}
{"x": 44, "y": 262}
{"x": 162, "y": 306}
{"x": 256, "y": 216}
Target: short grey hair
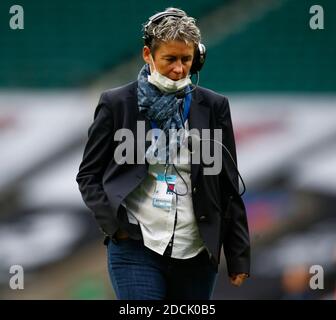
{"x": 173, "y": 28}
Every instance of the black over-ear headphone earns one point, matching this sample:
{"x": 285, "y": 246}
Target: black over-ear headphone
{"x": 200, "y": 52}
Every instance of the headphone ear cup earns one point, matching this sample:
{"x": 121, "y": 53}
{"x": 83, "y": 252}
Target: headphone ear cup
{"x": 199, "y": 59}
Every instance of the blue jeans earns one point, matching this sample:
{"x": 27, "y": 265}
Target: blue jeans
{"x": 138, "y": 273}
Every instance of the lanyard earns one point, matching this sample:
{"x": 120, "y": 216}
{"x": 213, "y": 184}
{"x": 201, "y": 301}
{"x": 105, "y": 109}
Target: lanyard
{"x": 187, "y": 102}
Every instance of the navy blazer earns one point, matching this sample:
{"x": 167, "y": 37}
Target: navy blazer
{"x": 104, "y": 184}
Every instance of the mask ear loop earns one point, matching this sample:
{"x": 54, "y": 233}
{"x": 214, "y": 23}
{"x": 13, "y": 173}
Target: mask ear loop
{"x": 152, "y": 59}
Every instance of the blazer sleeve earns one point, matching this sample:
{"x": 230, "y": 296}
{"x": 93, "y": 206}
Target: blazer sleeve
{"x": 235, "y": 232}
{"x": 97, "y": 154}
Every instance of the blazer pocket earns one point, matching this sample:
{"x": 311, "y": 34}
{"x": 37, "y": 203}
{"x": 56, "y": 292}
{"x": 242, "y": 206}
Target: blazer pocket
{"x": 227, "y": 212}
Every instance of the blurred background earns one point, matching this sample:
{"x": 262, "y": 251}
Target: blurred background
{"x": 279, "y": 76}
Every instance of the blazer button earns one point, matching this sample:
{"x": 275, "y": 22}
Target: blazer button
{"x": 194, "y": 190}
{"x": 202, "y": 218}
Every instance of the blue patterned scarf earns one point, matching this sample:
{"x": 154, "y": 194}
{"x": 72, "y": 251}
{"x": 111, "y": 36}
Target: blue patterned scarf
{"x": 161, "y": 108}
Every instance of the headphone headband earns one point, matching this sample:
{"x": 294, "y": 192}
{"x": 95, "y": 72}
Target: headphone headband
{"x": 161, "y": 15}
{"x": 156, "y": 18}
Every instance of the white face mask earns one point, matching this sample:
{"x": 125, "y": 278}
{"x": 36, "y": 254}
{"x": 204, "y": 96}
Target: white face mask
{"x": 165, "y": 84}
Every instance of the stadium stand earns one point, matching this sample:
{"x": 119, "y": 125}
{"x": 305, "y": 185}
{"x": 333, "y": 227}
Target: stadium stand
{"x": 68, "y": 44}
{"x": 277, "y": 52}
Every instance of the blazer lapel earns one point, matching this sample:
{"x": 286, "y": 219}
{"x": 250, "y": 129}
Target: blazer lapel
{"x": 141, "y": 118}
{"x": 198, "y": 119}
{"x": 138, "y": 120}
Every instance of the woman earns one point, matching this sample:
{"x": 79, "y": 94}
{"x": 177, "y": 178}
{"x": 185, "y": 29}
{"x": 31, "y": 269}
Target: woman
{"x": 165, "y": 218}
